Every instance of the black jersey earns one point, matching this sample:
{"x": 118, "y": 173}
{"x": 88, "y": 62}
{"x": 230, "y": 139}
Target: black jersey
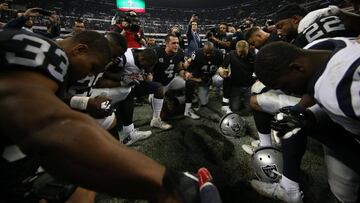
{"x": 242, "y": 69}
{"x": 167, "y": 65}
{"x": 326, "y": 27}
{"x": 205, "y": 66}
{"x": 22, "y": 50}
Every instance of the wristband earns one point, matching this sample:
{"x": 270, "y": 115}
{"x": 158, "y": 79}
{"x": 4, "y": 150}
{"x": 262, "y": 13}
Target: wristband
{"x": 79, "y": 103}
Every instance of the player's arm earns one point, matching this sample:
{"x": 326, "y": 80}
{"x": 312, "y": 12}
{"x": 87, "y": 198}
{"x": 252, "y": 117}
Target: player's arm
{"x": 226, "y": 44}
{"x": 223, "y": 70}
{"x": 350, "y": 20}
{"x": 72, "y": 146}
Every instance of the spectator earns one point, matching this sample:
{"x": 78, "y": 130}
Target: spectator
{"x": 220, "y": 39}
{"x": 132, "y": 31}
{"x": 25, "y": 21}
{"x": 194, "y": 40}
{"x": 78, "y": 26}
{"x": 175, "y": 30}
{"x": 151, "y": 43}
{"x": 3, "y": 8}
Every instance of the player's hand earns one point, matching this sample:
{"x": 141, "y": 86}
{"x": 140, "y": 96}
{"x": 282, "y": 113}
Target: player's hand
{"x": 99, "y": 107}
{"x": 224, "y": 73}
{"x": 149, "y": 77}
{"x": 194, "y": 18}
{"x": 288, "y": 121}
{"x": 32, "y": 12}
{"x": 187, "y": 75}
{"x": 183, "y": 184}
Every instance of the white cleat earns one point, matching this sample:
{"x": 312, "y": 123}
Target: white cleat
{"x": 158, "y": 123}
{"x": 248, "y": 149}
{"x": 191, "y": 114}
{"x": 255, "y": 143}
{"x": 226, "y": 109}
{"x": 136, "y": 135}
{"x": 275, "y": 191}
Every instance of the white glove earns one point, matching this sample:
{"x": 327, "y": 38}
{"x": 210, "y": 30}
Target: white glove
{"x": 311, "y": 17}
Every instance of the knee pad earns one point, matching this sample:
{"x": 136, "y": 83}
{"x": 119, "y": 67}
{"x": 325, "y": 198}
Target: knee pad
{"x": 176, "y": 84}
{"x": 272, "y": 100}
{"x": 203, "y": 94}
{"x": 217, "y": 81}
{"x": 106, "y": 122}
{"x": 257, "y": 87}
{"x": 116, "y": 94}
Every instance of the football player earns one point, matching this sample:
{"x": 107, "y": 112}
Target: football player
{"x": 329, "y": 74}
{"x": 201, "y": 71}
{"x": 37, "y": 128}
{"x": 170, "y": 69}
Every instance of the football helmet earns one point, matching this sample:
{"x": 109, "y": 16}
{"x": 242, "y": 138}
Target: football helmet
{"x": 265, "y": 161}
{"x": 232, "y": 125}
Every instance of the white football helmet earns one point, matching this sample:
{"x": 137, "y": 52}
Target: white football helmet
{"x": 232, "y": 125}
{"x": 265, "y": 161}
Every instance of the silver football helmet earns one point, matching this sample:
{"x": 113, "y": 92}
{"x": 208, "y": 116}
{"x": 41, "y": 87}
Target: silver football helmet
{"x": 232, "y": 125}
{"x": 265, "y": 161}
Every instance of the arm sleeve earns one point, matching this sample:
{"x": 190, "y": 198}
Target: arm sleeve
{"x": 226, "y": 61}
{"x": 16, "y": 23}
{"x": 189, "y": 33}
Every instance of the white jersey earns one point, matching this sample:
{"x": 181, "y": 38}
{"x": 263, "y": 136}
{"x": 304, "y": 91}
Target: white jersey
{"x": 336, "y": 87}
{"x": 127, "y": 63}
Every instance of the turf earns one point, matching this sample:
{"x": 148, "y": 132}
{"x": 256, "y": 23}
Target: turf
{"x": 192, "y": 144}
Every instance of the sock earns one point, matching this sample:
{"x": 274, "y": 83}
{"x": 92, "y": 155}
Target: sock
{"x": 289, "y": 185}
{"x": 187, "y": 107}
{"x": 225, "y": 101}
{"x": 151, "y": 97}
{"x": 157, "y": 106}
{"x": 128, "y": 129}
{"x": 265, "y": 139}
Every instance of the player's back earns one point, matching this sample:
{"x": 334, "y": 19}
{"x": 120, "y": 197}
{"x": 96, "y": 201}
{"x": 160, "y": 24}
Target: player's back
{"x": 326, "y": 27}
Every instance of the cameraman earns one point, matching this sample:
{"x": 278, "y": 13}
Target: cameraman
{"x": 129, "y": 27}
{"x": 219, "y": 37}
{"x": 24, "y": 21}
{"x": 176, "y": 31}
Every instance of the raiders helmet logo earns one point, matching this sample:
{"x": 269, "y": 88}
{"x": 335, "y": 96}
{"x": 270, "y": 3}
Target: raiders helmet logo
{"x": 268, "y": 171}
{"x": 235, "y": 127}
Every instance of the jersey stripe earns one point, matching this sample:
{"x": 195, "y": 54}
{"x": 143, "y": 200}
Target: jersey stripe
{"x": 344, "y": 90}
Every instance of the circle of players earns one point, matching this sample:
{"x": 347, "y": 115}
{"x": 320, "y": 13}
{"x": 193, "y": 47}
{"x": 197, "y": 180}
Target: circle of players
{"x": 300, "y": 77}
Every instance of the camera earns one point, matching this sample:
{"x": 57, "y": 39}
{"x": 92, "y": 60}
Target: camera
{"x": 131, "y": 18}
{"x": 211, "y": 32}
{"x": 44, "y": 12}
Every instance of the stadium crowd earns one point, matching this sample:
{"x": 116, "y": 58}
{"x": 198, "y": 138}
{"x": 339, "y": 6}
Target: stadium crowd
{"x": 67, "y": 95}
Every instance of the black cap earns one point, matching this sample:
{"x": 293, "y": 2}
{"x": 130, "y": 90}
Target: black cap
{"x": 288, "y": 11}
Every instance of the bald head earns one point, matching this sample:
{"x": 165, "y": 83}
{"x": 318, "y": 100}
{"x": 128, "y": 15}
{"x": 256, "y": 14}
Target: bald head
{"x": 208, "y": 48}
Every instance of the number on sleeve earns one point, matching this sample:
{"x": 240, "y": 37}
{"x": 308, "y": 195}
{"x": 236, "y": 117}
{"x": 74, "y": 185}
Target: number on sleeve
{"x": 34, "y": 55}
{"x": 38, "y": 51}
